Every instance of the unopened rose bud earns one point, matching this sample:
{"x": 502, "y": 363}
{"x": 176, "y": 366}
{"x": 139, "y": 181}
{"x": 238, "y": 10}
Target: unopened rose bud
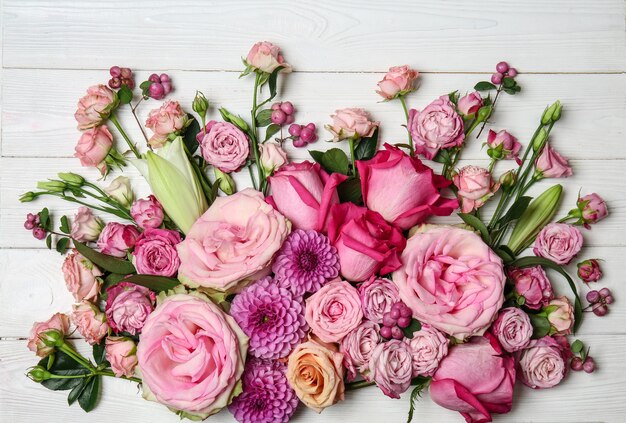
{"x": 52, "y": 186}
{"x": 236, "y": 120}
{"x": 546, "y": 118}
{"x": 200, "y": 104}
{"x": 72, "y": 178}
{"x": 52, "y": 338}
{"x": 540, "y": 139}
{"x": 226, "y": 183}
{"x": 38, "y": 374}
{"x": 507, "y": 180}
{"x": 27, "y": 197}
{"x": 484, "y": 113}
{"x": 589, "y": 270}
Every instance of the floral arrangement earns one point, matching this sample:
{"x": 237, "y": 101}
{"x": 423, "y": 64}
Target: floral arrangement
{"x": 324, "y": 277}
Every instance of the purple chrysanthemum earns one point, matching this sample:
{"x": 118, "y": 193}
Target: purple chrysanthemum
{"x": 305, "y": 262}
{"x": 271, "y": 316}
{"x": 266, "y": 396}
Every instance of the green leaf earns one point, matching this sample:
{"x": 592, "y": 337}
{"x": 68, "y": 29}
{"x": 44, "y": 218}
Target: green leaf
{"x": 88, "y": 398}
{"x": 541, "y": 325}
{"x": 577, "y": 346}
{"x": 484, "y": 86}
{"x": 505, "y": 255}
{"x": 145, "y": 85}
{"x": 108, "y": 263}
{"x": 189, "y": 139}
{"x": 515, "y": 211}
{"x": 454, "y": 96}
{"x": 65, "y": 225}
{"x": 125, "y": 94}
{"x": 317, "y": 155}
{"x": 412, "y": 328}
{"x": 477, "y": 224}
{"x": 367, "y": 147}
{"x": 443, "y": 157}
{"x": 335, "y": 160}
{"x": 44, "y": 217}
{"x": 350, "y": 191}
{"x": 272, "y": 82}
{"x": 99, "y": 353}
{"x": 76, "y": 391}
{"x": 508, "y": 83}
{"x": 49, "y": 241}
{"x": 420, "y": 384}
{"x": 62, "y": 245}
{"x": 63, "y": 365}
{"x": 155, "y": 283}
{"x": 510, "y": 91}
{"x": 271, "y": 131}
{"x": 264, "y": 117}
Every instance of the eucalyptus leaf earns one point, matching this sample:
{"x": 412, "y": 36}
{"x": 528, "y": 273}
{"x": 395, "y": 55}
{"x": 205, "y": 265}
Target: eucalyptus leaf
{"x": 124, "y": 94}
{"x": 62, "y": 243}
{"x": 65, "y": 225}
{"x": 577, "y": 346}
{"x": 44, "y": 217}
{"x": 508, "y": 83}
{"x": 49, "y": 241}
{"x": 108, "y": 263}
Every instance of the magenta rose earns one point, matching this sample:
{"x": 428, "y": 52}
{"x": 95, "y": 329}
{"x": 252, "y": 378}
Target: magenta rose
{"x": 475, "y": 187}
{"x": 333, "y": 311}
{"x": 551, "y": 164}
{"x": 94, "y": 108}
{"x": 351, "y": 122}
{"x": 377, "y": 296}
{"x": 167, "y": 119}
{"x": 365, "y": 243}
{"x": 397, "y": 81}
{"x": 93, "y": 148}
{"x": 224, "y": 146}
{"x": 543, "y": 364}
{"x": 562, "y": 317}
{"x": 592, "y": 208}
{"x": 589, "y": 270}
{"x": 502, "y": 145}
{"x": 437, "y": 126}
{"x": 304, "y": 193}
{"x": 357, "y": 348}
{"x": 191, "y": 355}
{"x": 513, "y": 329}
{"x": 533, "y": 284}
{"x": 558, "y": 242}
{"x": 58, "y": 323}
{"x": 117, "y": 239}
{"x": 86, "y": 226}
{"x": 402, "y": 189}
{"x": 266, "y": 57}
{"x": 128, "y": 306}
{"x": 476, "y": 379}
{"x": 155, "y": 252}
{"x": 391, "y": 367}
{"x": 120, "y": 352}
{"x": 90, "y": 322}
{"x": 428, "y": 347}
{"x": 451, "y": 280}
{"x": 147, "y": 212}
{"x": 470, "y": 103}
{"x": 82, "y": 277}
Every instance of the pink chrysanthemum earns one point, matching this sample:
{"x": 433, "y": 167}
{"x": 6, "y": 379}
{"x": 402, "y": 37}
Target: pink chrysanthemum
{"x": 306, "y": 262}
{"x": 271, "y": 316}
{"x": 267, "y": 396}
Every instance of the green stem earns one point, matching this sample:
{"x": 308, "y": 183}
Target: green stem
{"x": 74, "y": 200}
{"x": 491, "y": 165}
{"x": 67, "y": 349}
{"x": 406, "y": 115}
{"x": 353, "y": 386}
{"x": 255, "y": 146}
{"x": 132, "y": 147}
{"x": 111, "y": 374}
{"x": 82, "y": 376}
{"x": 351, "y": 141}
{"x": 565, "y": 219}
{"x": 105, "y": 198}
{"x": 493, "y": 107}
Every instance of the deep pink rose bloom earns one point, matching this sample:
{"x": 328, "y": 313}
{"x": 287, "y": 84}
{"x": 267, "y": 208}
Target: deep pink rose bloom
{"x": 503, "y": 145}
{"x": 351, "y": 122}
{"x": 58, "y": 322}
{"x": 224, "y": 146}
{"x": 377, "y": 297}
{"x": 513, "y": 329}
{"x": 147, "y": 212}
{"x": 559, "y": 242}
{"x": 155, "y": 252}
{"x": 116, "y": 239}
{"x": 533, "y": 284}
{"x": 120, "y": 352}
{"x": 304, "y": 193}
{"x": 168, "y": 119}
{"x": 365, "y": 243}
{"x": 95, "y": 106}
{"x": 357, "y": 348}
{"x": 397, "y": 81}
{"x": 475, "y": 379}
{"x": 475, "y": 187}
{"x": 266, "y": 57}
{"x": 93, "y": 147}
{"x": 451, "y": 280}
{"x": 437, "y": 126}
{"x": 82, "y": 277}
{"x": 402, "y": 189}
{"x": 391, "y": 367}
{"x": 592, "y": 208}
{"x": 128, "y": 306}
{"x": 544, "y": 363}
{"x": 470, "y": 103}
{"x": 90, "y": 322}
{"x": 551, "y": 164}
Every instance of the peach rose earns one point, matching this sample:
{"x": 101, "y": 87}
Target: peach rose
{"x": 86, "y": 226}
{"x": 93, "y": 148}
{"x": 351, "y": 122}
{"x": 94, "y": 108}
{"x": 398, "y": 81}
{"x": 475, "y": 187}
{"x": 58, "y": 322}
{"x": 82, "y": 277}
{"x": 266, "y": 57}
{"x": 167, "y": 119}
{"x": 120, "y": 352}
{"x": 90, "y": 322}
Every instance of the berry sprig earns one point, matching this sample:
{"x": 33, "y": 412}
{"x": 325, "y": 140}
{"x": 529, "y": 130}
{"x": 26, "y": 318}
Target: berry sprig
{"x": 395, "y": 320}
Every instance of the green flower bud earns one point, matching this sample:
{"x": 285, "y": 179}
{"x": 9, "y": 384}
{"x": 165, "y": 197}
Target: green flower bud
{"x": 484, "y": 113}
{"x": 552, "y": 113}
{"x": 540, "y": 139}
{"x": 557, "y": 112}
{"x": 27, "y": 197}
{"x": 226, "y": 183}
{"x": 53, "y": 186}
{"x": 200, "y": 104}
{"x": 52, "y": 338}
{"x": 38, "y": 374}
{"x": 508, "y": 180}
{"x": 235, "y": 120}
{"x": 72, "y": 178}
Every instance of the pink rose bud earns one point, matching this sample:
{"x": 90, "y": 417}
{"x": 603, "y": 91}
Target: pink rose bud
{"x": 561, "y": 319}
{"x": 121, "y": 353}
{"x": 590, "y": 209}
{"x": 93, "y": 148}
{"x": 272, "y": 156}
{"x": 163, "y": 122}
{"x": 513, "y": 329}
{"x": 551, "y": 164}
{"x": 82, "y": 277}
{"x": 502, "y": 145}
{"x": 224, "y": 146}
{"x": 470, "y": 103}
{"x": 147, "y": 212}
{"x": 266, "y": 57}
{"x": 155, "y": 252}
{"x": 117, "y": 239}
{"x": 58, "y": 322}
{"x": 533, "y": 285}
{"x": 128, "y": 306}
{"x": 475, "y": 187}
{"x": 397, "y": 81}
{"x": 559, "y": 242}
{"x": 90, "y": 322}
{"x": 437, "y": 126}
{"x": 86, "y": 226}
{"x": 589, "y": 270}
{"x": 94, "y": 108}
{"x": 351, "y": 122}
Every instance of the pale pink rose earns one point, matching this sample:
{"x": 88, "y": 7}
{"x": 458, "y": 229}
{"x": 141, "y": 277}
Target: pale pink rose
{"x": 475, "y": 187}
{"x": 85, "y": 226}
{"x": 82, "y": 277}
{"x": 451, "y": 280}
{"x": 155, "y": 252}
{"x": 351, "y": 122}
{"x": 191, "y": 355}
{"x": 502, "y": 145}
{"x": 272, "y": 156}
{"x": 266, "y": 57}
{"x": 476, "y": 379}
{"x": 428, "y": 347}
{"x": 121, "y": 353}
{"x": 592, "y": 208}
{"x": 94, "y": 108}
{"x": 167, "y": 119}
{"x": 377, "y": 296}
{"x": 304, "y": 193}
{"x": 357, "y": 348}
{"x": 365, "y": 243}
{"x": 398, "y": 81}
{"x": 58, "y": 322}
{"x": 333, "y": 311}
{"x": 437, "y": 126}
{"x": 561, "y": 319}
{"x": 391, "y": 367}
{"x": 543, "y": 364}
{"x": 224, "y": 146}
{"x": 147, "y": 212}
{"x": 90, "y": 322}
{"x": 234, "y": 240}
{"x": 470, "y": 103}
{"x": 93, "y": 148}
{"x": 533, "y": 284}
{"x": 559, "y": 242}
{"x": 315, "y": 371}
{"x": 513, "y": 329}
{"x": 402, "y": 189}
{"x": 551, "y": 164}
{"x": 117, "y": 239}
{"x": 128, "y": 306}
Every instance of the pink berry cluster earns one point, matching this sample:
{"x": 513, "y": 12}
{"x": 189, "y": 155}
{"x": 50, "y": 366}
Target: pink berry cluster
{"x": 160, "y": 86}
{"x": 599, "y": 301}
{"x": 302, "y": 134}
{"x": 578, "y": 364}
{"x": 121, "y": 76}
{"x": 396, "y": 319}
{"x": 503, "y": 71}
{"x": 33, "y": 223}
{"x": 282, "y": 113}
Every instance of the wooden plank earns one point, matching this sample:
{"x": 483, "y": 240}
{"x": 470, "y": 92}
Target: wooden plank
{"x": 539, "y": 36}
{"x": 41, "y": 115}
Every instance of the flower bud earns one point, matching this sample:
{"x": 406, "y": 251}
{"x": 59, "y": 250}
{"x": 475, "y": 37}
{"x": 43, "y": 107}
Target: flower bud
{"x": 52, "y": 186}
{"x": 540, "y": 139}
{"x": 52, "y": 338}
{"x": 539, "y": 212}
{"x": 546, "y": 118}
{"x": 235, "y": 120}
{"x": 121, "y": 191}
{"x": 556, "y": 115}
{"x": 484, "y": 113}
{"x": 225, "y": 181}
{"x": 200, "y": 104}
{"x": 27, "y": 197}
{"x": 508, "y": 180}
{"x": 72, "y": 178}
{"x": 589, "y": 270}
{"x": 38, "y": 374}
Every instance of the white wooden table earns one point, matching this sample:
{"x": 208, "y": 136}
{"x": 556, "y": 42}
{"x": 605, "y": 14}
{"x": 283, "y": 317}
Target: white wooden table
{"x": 52, "y": 50}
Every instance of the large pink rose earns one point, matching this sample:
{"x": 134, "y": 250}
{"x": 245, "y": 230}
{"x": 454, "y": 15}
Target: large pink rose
{"x": 543, "y": 364}
{"x": 550, "y": 164}
{"x": 58, "y": 322}
{"x": 90, "y": 322}
{"x": 513, "y": 329}
{"x": 333, "y": 311}
{"x": 234, "y": 240}
{"x": 475, "y": 379}
{"x": 147, "y": 212}
{"x": 451, "y": 280}
{"x": 304, "y": 193}
{"x": 559, "y": 242}
{"x": 82, "y": 277}
{"x": 167, "y": 119}
{"x": 391, "y": 367}
{"x": 117, "y": 239}
{"x": 94, "y": 108}
{"x": 351, "y": 122}
{"x": 357, "y": 348}
{"x": 266, "y": 57}
{"x": 128, "y": 306}
{"x": 365, "y": 243}
{"x": 437, "y": 126}
{"x": 475, "y": 187}
{"x": 402, "y": 189}
{"x": 533, "y": 284}
{"x": 224, "y": 146}
{"x": 428, "y": 347}
{"x": 93, "y": 147}
{"x": 86, "y": 226}
{"x": 155, "y": 252}
{"x": 120, "y": 352}
{"x": 397, "y": 81}
{"x": 191, "y": 355}
{"x": 377, "y": 297}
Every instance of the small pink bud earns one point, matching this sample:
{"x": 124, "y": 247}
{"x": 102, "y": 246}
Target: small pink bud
{"x": 406, "y": 312}
{"x": 389, "y": 320}
{"x": 115, "y": 71}
{"x": 115, "y": 83}
{"x": 290, "y": 119}
{"x": 308, "y": 135}
{"x": 31, "y": 217}
{"x": 608, "y": 299}
{"x": 126, "y": 73}
{"x": 512, "y": 73}
{"x": 156, "y": 91}
{"x": 278, "y": 117}
{"x": 385, "y": 332}
{"x": 496, "y": 78}
{"x": 395, "y": 313}
{"x": 29, "y": 225}
{"x": 167, "y": 87}
{"x": 599, "y": 309}
{"x": 576, "y": 364}
{"x": 311, "y": 126}
{"x": 164, "y": 77}
{"x": 295, "y": 130}
{"x": 276, "y": 106}
{"x": 502, "y": 67}
{"x": 589, "y": 365}
{"x": 605, "y": 292}
{"x": 39, "y": 233}
{"x": 404, "y": 322}
{"x": 287, "y": 107}
{"x": 593, "y": 296}
{"x": 154, "y": 78}
{"x": 397, "y": 333}
{"x": 299, "y": 143}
